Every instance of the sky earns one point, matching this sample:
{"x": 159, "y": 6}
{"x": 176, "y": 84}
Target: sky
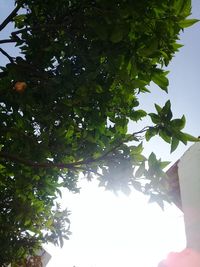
{"x": 110, "y": 231}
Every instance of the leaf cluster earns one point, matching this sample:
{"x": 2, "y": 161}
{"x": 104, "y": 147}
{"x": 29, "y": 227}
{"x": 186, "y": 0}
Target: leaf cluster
{"x": 170, "y": 130}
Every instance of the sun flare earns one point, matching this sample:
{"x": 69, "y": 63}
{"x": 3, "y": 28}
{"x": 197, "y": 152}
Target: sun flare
{"x": 109, "y": 230}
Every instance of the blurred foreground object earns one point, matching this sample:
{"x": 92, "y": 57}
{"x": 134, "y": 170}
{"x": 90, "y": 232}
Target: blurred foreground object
{"x": 185, "y": 258}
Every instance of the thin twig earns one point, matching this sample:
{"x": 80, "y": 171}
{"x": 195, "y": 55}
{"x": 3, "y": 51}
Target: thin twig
{"x": 10, "y": 17}
{"x": 5, "y": 41}
{"x": 87, "y": 170}
{"x": 6, "y": 55}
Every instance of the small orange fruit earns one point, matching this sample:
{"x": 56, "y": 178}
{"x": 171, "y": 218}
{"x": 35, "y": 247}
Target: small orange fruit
{"x": 20, "y": 87}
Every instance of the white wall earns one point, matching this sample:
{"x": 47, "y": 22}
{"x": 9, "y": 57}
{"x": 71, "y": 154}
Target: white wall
{"x": 189, "y": 177}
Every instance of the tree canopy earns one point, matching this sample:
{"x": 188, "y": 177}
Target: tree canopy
{"x": 65, "y": 103}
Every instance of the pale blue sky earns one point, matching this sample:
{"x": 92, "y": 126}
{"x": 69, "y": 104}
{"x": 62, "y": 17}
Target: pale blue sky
{"x": 110, "y": 231}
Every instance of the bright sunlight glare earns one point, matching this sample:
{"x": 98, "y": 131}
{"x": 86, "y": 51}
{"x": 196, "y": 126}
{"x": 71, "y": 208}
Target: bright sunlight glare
{"x": 116, "y": 231}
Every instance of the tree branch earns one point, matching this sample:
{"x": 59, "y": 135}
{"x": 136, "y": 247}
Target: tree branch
{"x": 6, "y": 55}
{"x": 36, "y": 164}
{"x": 72, "y": 165}
{"x": 10, "y": 17}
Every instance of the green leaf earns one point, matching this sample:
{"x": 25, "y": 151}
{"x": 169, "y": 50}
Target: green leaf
{"x": 138, "y": 114}
{"x": 152, "y": 159}
{"x": 139, "y": 83}
{"x": 164, "y": 164}
{"x": 158, "y": 108}
{"x": 27, "y": 222}
{"x": 167, "y": 108}
{"x": 161, "y": 80}
{"x": 174, "y": 144}
{"x": 136, "y": 149}
{"x": 165, "y": 136}
{"x": 187, "y": 22}
{"x": 152, "y": 131}
{"x": 191, "y": 138}
{"x": 178, "y": 123}
{"x": 182, "y": 7}
{"x": 70, "y": 132}
{"x": 181, "y": 136}
{"x": 99, "y": 89}
{"x": 59, "y": 192}
{"x": 155, "y": 118}
{"x": 176, "y": 46}
{"x": 19, "y": 20}
{"x": 61, "y": 241}
{"x": 36, "y": 177}
{"x": 150, "y": 49}
{"x": 140, "y": 171}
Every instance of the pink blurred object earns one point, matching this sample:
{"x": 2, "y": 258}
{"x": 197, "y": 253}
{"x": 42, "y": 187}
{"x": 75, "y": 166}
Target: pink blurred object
{"x": 186, "y": 258}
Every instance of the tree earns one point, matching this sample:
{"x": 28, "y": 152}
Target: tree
{"x": 66, "y": 101}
